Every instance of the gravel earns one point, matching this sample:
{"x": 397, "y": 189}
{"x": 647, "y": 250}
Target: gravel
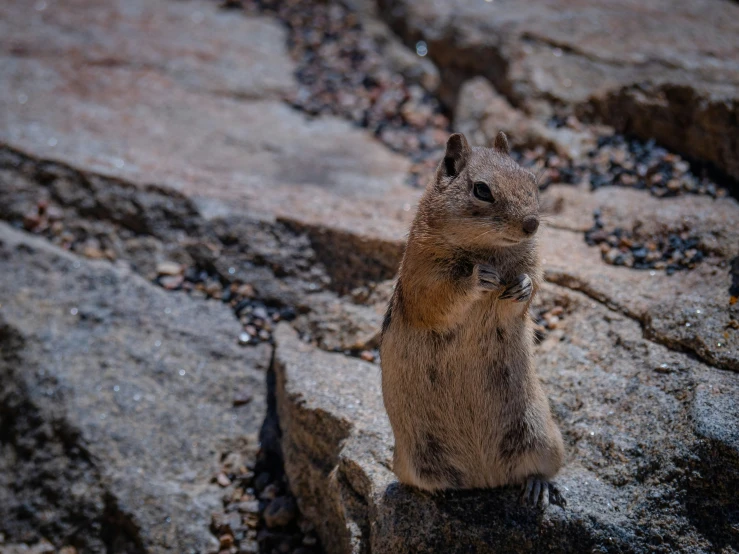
{"x": 671, "y": 252}
{"x": 619, "y": 161}
{"x": 257, "y": 318}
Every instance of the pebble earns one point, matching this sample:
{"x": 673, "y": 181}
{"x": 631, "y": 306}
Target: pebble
{"x": 171, "y": 282}
{"x": 250, "y": 547}
{"x": 249, "y": 507}
{"x": 241, "y": 398}
{"x": 223, "y": 480}
{"x": 269, "y": 492}
{"x": 280, "y": 512}
{"x": 261, "y": 481}
{"x": 226, "y": 541}
{"x": 168, "y": 268}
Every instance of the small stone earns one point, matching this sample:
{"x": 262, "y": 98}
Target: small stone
{"x": 93, "y": 252}
{"x": 169, "y": 268}
{"x": 31, "y": 221}
{"x": 237, "y": 494}
{"x": 242, "y": 397}
{"x": 556, "y": 311}
{"x": 612, "y": 255}
{"x": 260, "y": 312}
{"x": 226, "y": 540}
{"x": 249, "y": 507}
{"x": 280, "y": 512}
{"x": 287, "y": 314}
{"x": 245, "y": 290}
{"x": 68, "y": 550}
{"x": 223, "y": 480}
{"x": 248, "y": 547}
{"x": 367, "y": 356}
{"x": 264, "y": 334}
{"x": 269, "y": 492}
{"x": 171, "y": 282}
{"x": 663, "y": 368}
{"x": 674, "y": 185}
{"x": 54, "y": 214}
{"x": 251, "y": 520}
{"x": 214, "y": 289}
{"x": 43, "y": 547}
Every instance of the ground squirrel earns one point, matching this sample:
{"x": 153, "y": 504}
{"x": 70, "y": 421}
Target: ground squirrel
{"x": 464, "y": 400}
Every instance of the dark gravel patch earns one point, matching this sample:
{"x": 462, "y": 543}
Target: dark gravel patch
{"x": 256, "y": 316}
{"x": 734, "y": 288}
{"x": 673, "y": 252}
{"x": 548, "y": 167}
{"x": 619, "y": 161}
{"x": 260, "y": 514}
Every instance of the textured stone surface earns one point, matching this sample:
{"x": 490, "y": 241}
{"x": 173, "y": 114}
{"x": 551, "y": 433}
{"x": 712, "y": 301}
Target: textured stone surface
{"x": 646, "y": 431}
{"x": 166, "y": 120}
{"x": 115, "y": 404}
{"x": 481, "y": 113}
{"x": 152, "y": 121}
{"x": 689, "y": 310}
{"x": 200, "y": 48}
{"x": 658, "y": 68}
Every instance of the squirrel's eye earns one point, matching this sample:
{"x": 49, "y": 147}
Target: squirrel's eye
{"x": 482, "y": 192}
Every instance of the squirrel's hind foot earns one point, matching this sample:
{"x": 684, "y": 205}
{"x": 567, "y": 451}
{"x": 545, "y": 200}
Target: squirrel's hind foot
{"x": 537, "y": 491}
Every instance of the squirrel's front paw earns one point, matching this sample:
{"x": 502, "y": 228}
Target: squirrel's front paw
{"x": 488, "y": 278}
{"x": 520, "y": 290}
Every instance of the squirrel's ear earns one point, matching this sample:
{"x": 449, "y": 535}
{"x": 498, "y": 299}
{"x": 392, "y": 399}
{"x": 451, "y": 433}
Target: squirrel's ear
{"x": 457, "y": 153}
{"x": 501, "y": 143}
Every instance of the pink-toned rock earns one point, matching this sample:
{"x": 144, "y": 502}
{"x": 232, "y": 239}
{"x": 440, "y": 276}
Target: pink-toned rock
{"x": 659, "y": 68}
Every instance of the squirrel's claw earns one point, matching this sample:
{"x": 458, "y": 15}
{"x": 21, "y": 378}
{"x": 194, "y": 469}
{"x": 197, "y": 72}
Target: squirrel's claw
{"x": 520, "y": 290}
{"x": 540, "y": 492}
{"x": 488, "y": 277}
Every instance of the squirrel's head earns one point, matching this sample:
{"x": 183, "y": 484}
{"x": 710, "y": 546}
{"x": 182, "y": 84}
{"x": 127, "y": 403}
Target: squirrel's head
{"x": 481, "y": 197}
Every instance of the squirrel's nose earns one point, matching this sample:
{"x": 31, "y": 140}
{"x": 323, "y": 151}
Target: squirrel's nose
{"x": 530, "y": 224}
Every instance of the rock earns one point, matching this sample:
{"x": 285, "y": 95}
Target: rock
{"x": 253, "y": 65}
{"x": 664, "y": 304}
{"x": 249, "y": 506}
{"x": 621, "y": 422}
{"x": 99, "y": 420}
{"x": 338, "y": 323}
{"x": 216, "y": 158}
{"x": 280, "y": 512}
{"x": 169, "y": 268}
{"x": 481, "y": 113}
{"x": 400, "y": 58}
{"x": 631, "y": 68}
{"x": 351, "y": 188}
{"x": 242, "y": 398}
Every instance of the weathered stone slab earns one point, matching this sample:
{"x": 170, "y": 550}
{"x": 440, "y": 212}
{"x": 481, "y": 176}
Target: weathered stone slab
{"x": 482, "y": 112}
{"x": 656, "y": 68}
{"x": 115, "y": 404}
{"x": 637, "y": 471}
{"x": 689, "y": 310}
{"x": 190, "y": 42}
{"x": 184, "y": 123}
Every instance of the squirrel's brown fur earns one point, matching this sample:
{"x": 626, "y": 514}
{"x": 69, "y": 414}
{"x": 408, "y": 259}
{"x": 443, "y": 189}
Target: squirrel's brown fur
{"x": 463, "y": 397}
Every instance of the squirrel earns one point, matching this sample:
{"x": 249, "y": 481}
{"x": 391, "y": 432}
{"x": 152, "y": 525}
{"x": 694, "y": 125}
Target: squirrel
{"x": 463, "y": 398}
